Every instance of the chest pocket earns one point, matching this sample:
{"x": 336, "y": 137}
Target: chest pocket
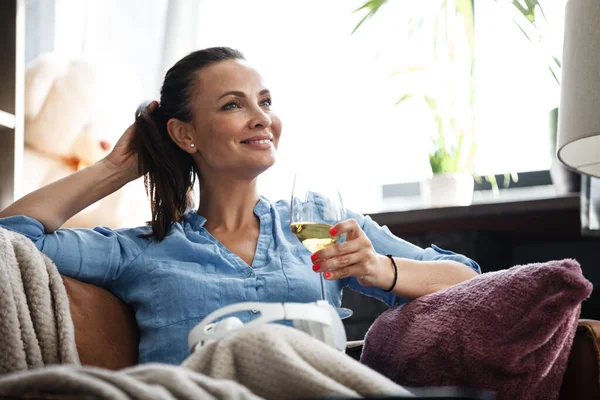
{"x": 184, "y": 291}
{"x": 304, "y": 283}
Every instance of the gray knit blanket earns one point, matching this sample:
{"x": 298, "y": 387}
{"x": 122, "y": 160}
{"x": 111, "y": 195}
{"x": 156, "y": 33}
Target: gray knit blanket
{"x": 269, "y": 362}
{"x": 36, "y": 328}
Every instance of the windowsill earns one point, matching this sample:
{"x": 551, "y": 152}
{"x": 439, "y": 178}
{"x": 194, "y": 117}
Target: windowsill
{"x": 413, "y": 203}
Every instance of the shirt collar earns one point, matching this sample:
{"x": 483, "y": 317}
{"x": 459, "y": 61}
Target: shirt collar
{"x": 197, "y": 221}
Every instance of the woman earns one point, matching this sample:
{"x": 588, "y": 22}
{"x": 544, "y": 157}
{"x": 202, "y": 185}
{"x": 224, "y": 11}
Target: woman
{"x": 214, "y": 121}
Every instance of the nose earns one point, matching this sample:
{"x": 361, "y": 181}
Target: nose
{"x": 259, "y": 119}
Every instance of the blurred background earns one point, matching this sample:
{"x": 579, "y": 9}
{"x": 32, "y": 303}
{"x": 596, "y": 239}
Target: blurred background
{"x": 437, "y": 118}
{"x": 383, "y": 94}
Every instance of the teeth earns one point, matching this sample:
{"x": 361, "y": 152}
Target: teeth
{"x": 258, "y": 141}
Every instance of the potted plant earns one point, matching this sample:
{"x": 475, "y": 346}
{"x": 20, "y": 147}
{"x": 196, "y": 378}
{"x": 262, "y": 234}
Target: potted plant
{"x": 451, "y": 158}
{"x": 444, "y": 86}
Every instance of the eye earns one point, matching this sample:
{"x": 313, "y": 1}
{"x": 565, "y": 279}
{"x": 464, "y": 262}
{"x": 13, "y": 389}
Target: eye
{"x": 266, "y": 102}
{"x": 230, "y": 106}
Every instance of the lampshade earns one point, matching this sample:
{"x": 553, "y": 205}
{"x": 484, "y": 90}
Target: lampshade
{"x": 578, "y": 141}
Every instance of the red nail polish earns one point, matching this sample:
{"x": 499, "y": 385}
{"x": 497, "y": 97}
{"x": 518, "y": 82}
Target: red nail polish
{"x": 316, "y": 267}
{"x": 314, "y": 257}
{"x": 326, "y": 274}
{"x": 332, "y": 231}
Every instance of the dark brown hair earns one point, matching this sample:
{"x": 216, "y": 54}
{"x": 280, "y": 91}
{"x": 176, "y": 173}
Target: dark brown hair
{"x": 169, "y": 172}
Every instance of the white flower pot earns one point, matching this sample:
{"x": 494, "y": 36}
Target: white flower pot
{"x": 447, "y": 190}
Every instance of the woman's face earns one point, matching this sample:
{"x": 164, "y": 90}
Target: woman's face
{"x": 236, "y": 131}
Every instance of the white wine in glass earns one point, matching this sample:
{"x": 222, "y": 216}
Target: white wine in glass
{"x": 314, "y": 208}
{"x": 313, "y": 235}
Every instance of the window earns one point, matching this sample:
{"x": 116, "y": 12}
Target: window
{"x": 336, "y": 96}
{"x": 515, "y": 90}
{"x": 332, "y": 89}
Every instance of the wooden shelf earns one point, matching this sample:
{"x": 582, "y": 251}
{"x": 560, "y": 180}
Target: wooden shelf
{"x": 541, "y": 215}
{"x": 7, "y": 120}
{"x": 12, "y": 84}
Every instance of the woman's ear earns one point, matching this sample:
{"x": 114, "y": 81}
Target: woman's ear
{"x": 182, "y": 134}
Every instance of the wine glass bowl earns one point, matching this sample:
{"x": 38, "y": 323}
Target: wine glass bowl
{"x": 315, "y": 207}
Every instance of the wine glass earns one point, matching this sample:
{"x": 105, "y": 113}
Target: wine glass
{"x": 314, "y": 208}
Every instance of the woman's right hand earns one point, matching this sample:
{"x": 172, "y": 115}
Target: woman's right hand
{"x": 121, "y": 157}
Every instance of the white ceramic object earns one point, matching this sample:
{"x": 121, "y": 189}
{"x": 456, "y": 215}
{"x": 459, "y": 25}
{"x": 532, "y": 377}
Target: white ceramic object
{"x": 447, "y": 190}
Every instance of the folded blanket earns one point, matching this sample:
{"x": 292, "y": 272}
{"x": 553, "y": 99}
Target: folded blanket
{"x": 36, "y": 328}
{"x": 271, "y": 361}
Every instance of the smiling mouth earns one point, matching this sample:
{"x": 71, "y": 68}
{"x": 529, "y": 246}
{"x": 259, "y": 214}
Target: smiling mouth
{"x": 262, "y": 141}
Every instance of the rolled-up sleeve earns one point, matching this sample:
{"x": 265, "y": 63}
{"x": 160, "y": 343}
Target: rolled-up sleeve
{"x": 97, "y": 256}
{"x": 384, "y": 242}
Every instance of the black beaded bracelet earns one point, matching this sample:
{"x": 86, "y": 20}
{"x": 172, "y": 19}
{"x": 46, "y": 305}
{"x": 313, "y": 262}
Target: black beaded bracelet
{"x": 395, "y": 273}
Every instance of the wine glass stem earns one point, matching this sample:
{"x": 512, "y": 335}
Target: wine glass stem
{"x": 322, "y": 287}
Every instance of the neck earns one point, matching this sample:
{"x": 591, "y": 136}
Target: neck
{"x": 228, "y": 204}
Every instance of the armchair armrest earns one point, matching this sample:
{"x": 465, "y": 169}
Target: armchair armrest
{"x": 106, "y": 333}
{"x": 582, "y": 376}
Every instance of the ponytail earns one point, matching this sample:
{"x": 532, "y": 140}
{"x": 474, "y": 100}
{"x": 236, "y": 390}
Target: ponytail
{"x": 169, "y": 172}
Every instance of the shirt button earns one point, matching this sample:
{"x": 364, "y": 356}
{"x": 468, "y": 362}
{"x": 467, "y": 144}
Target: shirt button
{"x": 249, "y": 274}
{"x": 254, "y": 311}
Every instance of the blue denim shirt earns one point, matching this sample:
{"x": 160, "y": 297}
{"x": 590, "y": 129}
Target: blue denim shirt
{"x": 172, "y": 285}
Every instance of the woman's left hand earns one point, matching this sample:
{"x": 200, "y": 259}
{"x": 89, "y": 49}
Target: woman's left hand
{"x": 354, "y": 257}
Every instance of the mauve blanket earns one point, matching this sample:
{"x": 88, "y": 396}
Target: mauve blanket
{"x": 509, "y": 331}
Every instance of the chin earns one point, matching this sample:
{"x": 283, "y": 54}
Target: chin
{"x": 260, "y": 167}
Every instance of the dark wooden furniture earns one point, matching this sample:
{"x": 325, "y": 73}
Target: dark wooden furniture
{"x": 12, "y": 48}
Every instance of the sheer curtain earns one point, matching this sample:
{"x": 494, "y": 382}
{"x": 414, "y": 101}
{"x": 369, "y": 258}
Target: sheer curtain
{"x": 124, "y": 40}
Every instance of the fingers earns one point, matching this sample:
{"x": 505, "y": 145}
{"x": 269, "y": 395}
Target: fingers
{"x": 339, "y": 261}
{"x": 360, "y": 271}
{"x": 148, "y": 106}
{"x": 152, "y": 106}
{"x": 355, "y": 240}
{"x": 350, "y": 227}
{"x": 336, "y": 250}
{"x": 354, "y": 257}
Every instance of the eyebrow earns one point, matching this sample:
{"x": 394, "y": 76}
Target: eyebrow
{"x": 242, "y": 94}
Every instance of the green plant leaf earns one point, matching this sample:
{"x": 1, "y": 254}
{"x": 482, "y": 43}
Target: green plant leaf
{"x": 372, "y": 7}
{"x": 527, "y": 15}
{"x": 453, "y": 148}
{"x": 408, "y": 70}
{"x": 431, "y": 103}
{"x": 404, "y": 98}
{"x": 557, "y": 61}
{"x": 465, "y": 9}
{"x": 492, "y": 180}
{"x": 542, "y": 13}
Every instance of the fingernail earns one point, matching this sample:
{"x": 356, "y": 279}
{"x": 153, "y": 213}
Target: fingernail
{"x": 332, "y": 231}
{"x": 316, "y": 267}
{"x": 314, "y": 257}
{"x": 327, "y": 274}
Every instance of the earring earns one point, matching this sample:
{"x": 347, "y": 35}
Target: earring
{"x": 192, "y": 145}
